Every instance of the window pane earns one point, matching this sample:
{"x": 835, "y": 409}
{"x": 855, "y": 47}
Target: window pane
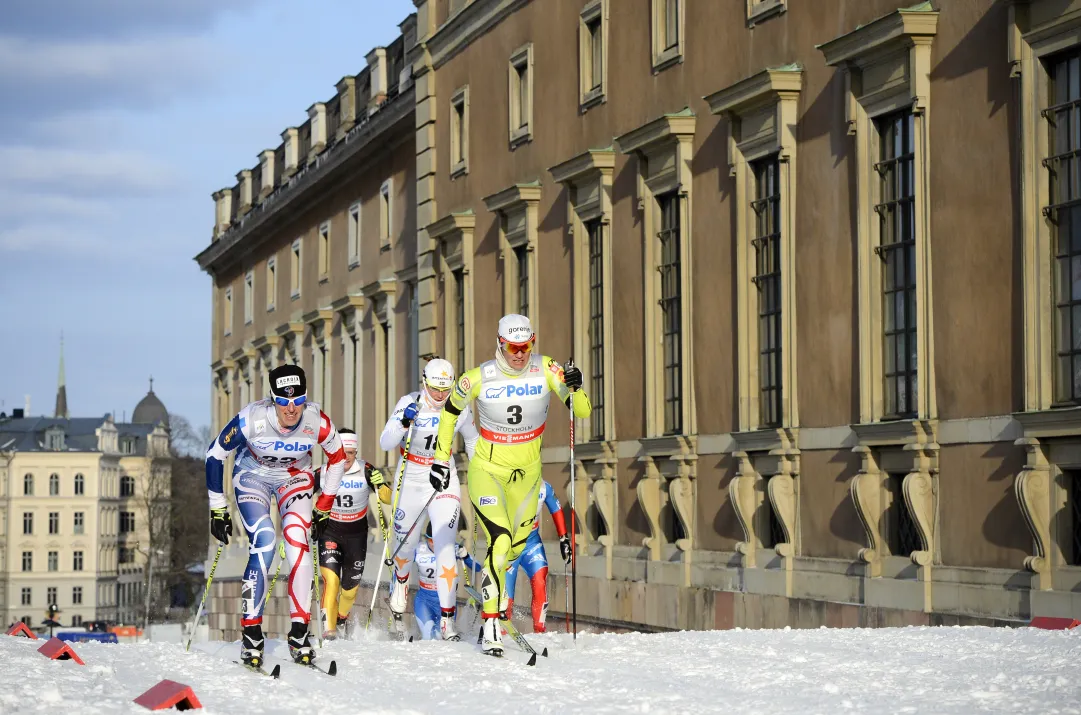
{"x": 1064, "y": 165}
{"x": 897, "y": 250}
{"x": 671, "y": 312}
{"x": 596, "y": 328}
{"x": 766, "y": 243}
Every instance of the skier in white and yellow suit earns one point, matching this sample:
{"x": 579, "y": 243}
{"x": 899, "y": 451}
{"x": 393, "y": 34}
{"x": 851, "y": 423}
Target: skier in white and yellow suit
{"x": 512, "y": 393}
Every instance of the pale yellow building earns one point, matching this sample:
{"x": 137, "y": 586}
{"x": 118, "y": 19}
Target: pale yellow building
{"x": 75, "y": 494}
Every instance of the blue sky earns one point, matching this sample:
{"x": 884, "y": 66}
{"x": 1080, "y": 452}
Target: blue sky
{"x": 119, "y": 119}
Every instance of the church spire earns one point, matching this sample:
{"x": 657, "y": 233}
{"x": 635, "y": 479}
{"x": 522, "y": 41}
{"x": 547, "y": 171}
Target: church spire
{"x": 61, "y": 388}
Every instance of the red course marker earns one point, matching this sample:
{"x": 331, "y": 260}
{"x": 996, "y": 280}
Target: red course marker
{"x": 169, "y": 694}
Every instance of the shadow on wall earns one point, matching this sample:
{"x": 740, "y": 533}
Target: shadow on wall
{"x": 984, "y": 47}
{"x": 845, "y": 523}
{"x": 1004, "y": 525}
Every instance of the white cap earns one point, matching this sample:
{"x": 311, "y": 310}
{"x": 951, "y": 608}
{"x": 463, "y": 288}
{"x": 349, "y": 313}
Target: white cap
{"x": 439, "y": 374}
{"x": 514, "y": 328}
{"x": 349, "y": 441}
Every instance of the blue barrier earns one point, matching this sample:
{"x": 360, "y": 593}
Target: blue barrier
{"x": 85, "y": 637}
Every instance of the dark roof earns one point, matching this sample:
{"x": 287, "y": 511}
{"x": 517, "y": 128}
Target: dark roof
{"x": 150, "y": 411}
{"x": 28, "y": 434}
{"x": 139, "y": 432}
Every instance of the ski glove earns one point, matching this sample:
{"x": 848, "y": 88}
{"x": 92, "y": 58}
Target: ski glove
{"x": 462, "y": 552}
{"x": 572, "y": 377}
{"x": 410, "y": 414}
{"x": 320, "y": 522}
{"x": 565, "y": 548}
{"x": 440, "y": 476}
{"x": 375, "y": 477}
{"x": 221, "y": 525}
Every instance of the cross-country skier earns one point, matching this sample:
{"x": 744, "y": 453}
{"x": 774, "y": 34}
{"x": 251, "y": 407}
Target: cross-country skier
{"x": 343, "y": 547}
{"x": 274, "y": 439}
{"x": 426, "y": 608}
{"x": 535, "y": 562}
{"x": 422, "y": 410}
{"x": 512, "y": 394}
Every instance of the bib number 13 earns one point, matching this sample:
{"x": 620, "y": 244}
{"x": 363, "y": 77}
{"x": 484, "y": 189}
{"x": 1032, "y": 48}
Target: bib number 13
{"x": 514, "y": 413}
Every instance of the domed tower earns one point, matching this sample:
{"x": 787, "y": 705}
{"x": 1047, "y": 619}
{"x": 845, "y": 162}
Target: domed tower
{"x": 150, "y": 410}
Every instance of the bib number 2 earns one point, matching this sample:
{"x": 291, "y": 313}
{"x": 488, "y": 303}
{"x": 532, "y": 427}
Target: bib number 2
{"x": 514, "y": 413}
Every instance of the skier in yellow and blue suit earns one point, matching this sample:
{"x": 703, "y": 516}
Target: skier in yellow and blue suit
{"x": 512, "y": 393}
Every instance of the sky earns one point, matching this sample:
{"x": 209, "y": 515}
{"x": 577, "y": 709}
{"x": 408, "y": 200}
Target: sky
{"x": 119, "y": 119}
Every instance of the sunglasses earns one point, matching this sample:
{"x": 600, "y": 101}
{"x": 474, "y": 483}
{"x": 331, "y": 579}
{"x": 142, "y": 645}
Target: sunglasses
{"x": 285, "y": 401}
{"x": 518, "y": 348}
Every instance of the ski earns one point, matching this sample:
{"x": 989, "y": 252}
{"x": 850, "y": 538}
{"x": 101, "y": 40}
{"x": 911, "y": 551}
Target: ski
{"x": 512, "y": 631}
{"x": 258, "y": 669}
{"x": 331, "y": 670}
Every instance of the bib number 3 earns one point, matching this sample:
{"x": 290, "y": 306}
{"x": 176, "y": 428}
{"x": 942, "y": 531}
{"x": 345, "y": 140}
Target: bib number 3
{"x": 514, "y": 413}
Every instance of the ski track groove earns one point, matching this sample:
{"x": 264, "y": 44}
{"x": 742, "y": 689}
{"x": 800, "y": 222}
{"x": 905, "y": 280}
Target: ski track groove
{"x": 917, "y": 669}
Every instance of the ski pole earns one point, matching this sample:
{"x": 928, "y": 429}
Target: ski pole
{"x": 574, "y": 516}
{"x": 386, "y": 538}
{"x": 206, "y": 590}
{"x": 314, "y": 548}
{"x": 281, "y": 559}
{"x": 421, "y": 513}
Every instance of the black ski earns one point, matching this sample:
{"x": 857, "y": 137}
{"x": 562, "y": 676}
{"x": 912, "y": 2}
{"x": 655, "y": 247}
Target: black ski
{"x": 332, "y": 669}
{"x": 258, "y": 669}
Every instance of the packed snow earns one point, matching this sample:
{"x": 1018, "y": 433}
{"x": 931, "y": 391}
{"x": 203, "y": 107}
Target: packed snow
{"x": 903, "y": 670}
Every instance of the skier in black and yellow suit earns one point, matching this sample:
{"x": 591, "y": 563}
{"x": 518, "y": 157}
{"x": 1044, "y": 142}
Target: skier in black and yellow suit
{"x": 512, "y": 393}
{"x": 343, "y": 544}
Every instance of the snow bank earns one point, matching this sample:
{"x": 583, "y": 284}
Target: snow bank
{"x": 914, "y": 670}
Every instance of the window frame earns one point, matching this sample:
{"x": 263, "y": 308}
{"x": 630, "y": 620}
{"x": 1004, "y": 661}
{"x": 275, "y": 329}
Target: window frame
{"x": 54, "y": 485}
{"x": 227, "y": 311}
{"x": 386, "y": 214}
{"x": 665, "y": 53}
{"x": 517, "y": 209}
{"x": 592, "y": 80}
{"x": 249, "y": 296}
{"x": 453, "y": 237}
{"x": 296, "y": 268}
{"x": 271, "y": 283}
{"x": 664, "y": 149}
{"x": 26, "y": 596}
{"x": 52, "y": 561}
{"x": 762, "y": 112}
{"x": 27, "y": 562}
{"x": 354, "y": 218}
{"x": 80, "y": 485}
{"x": 324, "y": 252}
{"x": 77, "y": 560}
{"x": 767, "y": 279}
{"x": 28, "y": 485}
{"x": 886, "y": 66}
{"x": 459, "y": 132}
{"x": 28, "y": 523}
{"x": 78, "y": 523}
{"x": 76, "y": 595}
{"x": 762, "y": 10}
{"x": 520, "y": 118}
{"x": 54, "y": 523}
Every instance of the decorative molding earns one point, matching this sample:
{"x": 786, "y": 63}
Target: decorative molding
{"x": 1032, "y": 488}
{"x": 762, "y": 10}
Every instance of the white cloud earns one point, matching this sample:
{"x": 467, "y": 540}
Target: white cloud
{"x": 42, "y": 237}
{"x": 16, "y": 205}
{"x": 84, "y": 171}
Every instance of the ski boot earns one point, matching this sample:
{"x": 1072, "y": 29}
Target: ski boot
{"x": 493, "y": 639}
{"x": 399, "y": 593}
{"x": 446, "y": 625}
{"x": 345, "y": 629}
{"x": 300, "y": 649}
{"x": 251, "y": 646}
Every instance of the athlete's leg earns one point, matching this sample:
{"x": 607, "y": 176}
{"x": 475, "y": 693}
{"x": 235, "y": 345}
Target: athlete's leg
{"x": 410, "y": 503}
{"x": 443, "y": 512}
{"x": 295, "y": 506}
{"x": 253, "y": 497}
{"x": 535, "y": 565}
{"x": 522, "y": 506}
{"x": 486, "y": 491}
{"x": 330, "y": 568}
{"x": 426, "y": 611}
{"x": 510, "y": 580}
{"x": 356, "y": 550}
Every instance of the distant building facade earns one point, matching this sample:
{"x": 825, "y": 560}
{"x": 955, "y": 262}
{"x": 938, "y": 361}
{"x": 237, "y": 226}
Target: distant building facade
{"x": 813, "y": 258}
{"x": 79, "y": 498}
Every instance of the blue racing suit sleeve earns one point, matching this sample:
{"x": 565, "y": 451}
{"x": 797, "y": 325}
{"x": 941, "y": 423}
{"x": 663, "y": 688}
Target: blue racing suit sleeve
{"x": 550, "y": 499}
{"x": 230, "y": 439}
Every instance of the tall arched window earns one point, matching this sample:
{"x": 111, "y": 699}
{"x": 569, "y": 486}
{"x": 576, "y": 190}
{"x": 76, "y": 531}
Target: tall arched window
{"x": 54, "y": 485}
{"x": 79, "y": 485}
{"x": 28, "y": 485}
